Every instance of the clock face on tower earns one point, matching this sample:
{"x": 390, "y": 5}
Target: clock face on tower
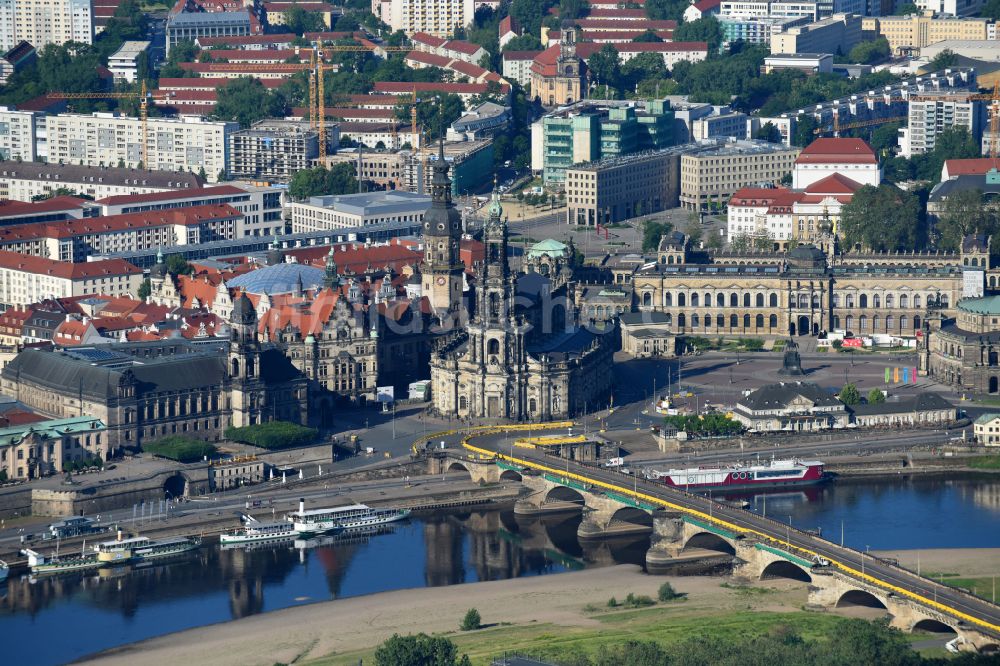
{"x": 441, "y": 280}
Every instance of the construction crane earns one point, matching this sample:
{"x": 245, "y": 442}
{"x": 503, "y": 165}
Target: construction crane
{"x": 143, "y": 96}
{"x": 836, "y": 128}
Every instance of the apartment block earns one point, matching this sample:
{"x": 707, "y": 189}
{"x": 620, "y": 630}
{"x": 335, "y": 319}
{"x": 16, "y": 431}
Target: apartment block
{"x": 26, "y": 279}
{"x": 517, "y": 66}
{"x": 732, "y": 124}
{"x": 42, "y": 22}
{"x": 764, "y": 8}
{"x": 931, "y": 114}
{"x": 712, "y": 173}
{"x": 588, "y": 131}
{"x": 618, "y": 188}
{"x": 23, "y": 181}
{"x": 110, "y": 139}
{"x": 918, "y": 31}
{"x": 272, "y": 150}
{"x": 838, "y": 33}
{"x": 357, "y": 210}
{"x": 123, "y": 63}
{"x": 757, "y": 29}
{"x": 261, "y": 206}
{"x": 19, "y": 134}
{"x": 434, "y": 17}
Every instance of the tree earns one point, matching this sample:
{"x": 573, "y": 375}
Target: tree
{"x": 339, "y": 179}
{"x": 706, "y": 29}
{"x": 652, "y": 232}
{"x": 943, "y": 60}
{"x": 870, "y": 52}
{"x": 529, "y": 14}
{"x": 991, "y": 10}
{"x": 436, "y": 116}
{"x": 885, "y": 137}
{"x": 648, "y": 36}
{"x": 300, "y": 21}
{"x": 246, "y": 101}
{"x": 419, "y": 650}
{"x": 876, "y": 397}
{"x": 571, "y": 9}
{"x": 471, "y": 621}
{"x": 178, "y": 265}
{"x": 525, "y": 42}
{"x": 666, "y": 9}
{"x": 666, "y": 592}
{"x": 180, "y": 52}
{"x": 804, "y": 131}
{"x": 883, "y": 219}
{"x": 145, "y": 289}
{"x": 963, "y": 213}
{"x": 605, "y": 66}
{"x": 768, "y": 132}
{"x": 849, "y": 395}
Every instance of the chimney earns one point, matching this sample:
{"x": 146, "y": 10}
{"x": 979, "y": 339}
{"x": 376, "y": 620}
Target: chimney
{"x": 302, "y": 505}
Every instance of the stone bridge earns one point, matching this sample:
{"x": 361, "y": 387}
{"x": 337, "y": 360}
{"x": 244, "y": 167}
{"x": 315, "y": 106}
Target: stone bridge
{"x": 678, "y": 538}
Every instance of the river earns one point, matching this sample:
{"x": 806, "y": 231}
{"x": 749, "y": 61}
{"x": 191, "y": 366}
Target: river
{"x": 57, "y": 619}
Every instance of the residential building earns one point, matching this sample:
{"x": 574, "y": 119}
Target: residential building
{"x": 434, "y": 17}
{"x": 123, "y": 63}
{"x": 618, "y": 188}
{"x": 357, "y": 210}
{"x": 508, "y": 29}
{"x": 261, "y": 206}
{"x": 734, "y": 124}
{"x": 765, "y": 8}
{"x": 986, "y": 429}
{"x": 25, "y": 279}
{"x": 986, "y": 185}
{"x": 467, "y": 91}
{"x": 907, "y": 33}
{"x": 701, "y": 9}
{"x": 48, "y": 210}
{"x": 757, "y": 29}
{"x": 272, "y": 150}
{"x": 189, "y": 26}
{"x": 809, "y": 63}
{"x": 837, "y": 34}
{"x": 172, "y": 144}
{"x": 951, "y": 7}
{"x": 761, "y": 212}
{"x": 976, "y": 166}
{"x": 452, "y": 49}
{"x": 41, "y": 448}
{"x": 19, "y": 133}
{"x": 16, "y": 58}
{"x": 44, "y": 22}
{"x": 848, "y": 157}
{"x": 382, "y": 168}
{"x": 517, "y": 66}
{"x": 484, "y": 121}
{"x": 591, "y": 130}
{"x": 274, "y": 12}
{"x": 24, "y": 181}
{"x": 77, "y": 239}
{"x": 712, "y": 173}
{"x": 933, "y": 113}
{"x": 920, "y": 410}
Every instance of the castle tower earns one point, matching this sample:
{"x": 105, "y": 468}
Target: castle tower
{"x": 443, "y": 270}
{"x": 244, "y": 363}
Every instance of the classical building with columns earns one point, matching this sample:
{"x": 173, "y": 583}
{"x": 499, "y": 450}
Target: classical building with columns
{"x": 964, "y": 350}
{"x": 505, "y": 365}
{"x": 805, "y": 291}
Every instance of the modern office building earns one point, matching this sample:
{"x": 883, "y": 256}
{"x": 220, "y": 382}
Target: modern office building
{"x": 189, "y": 26}
{"x": 591, "y": 130}
{"x": 272, "y": 150}
{"x": 931, "y": 114}
{"x": 341, "y": 211}
{"x": 618, "y": 188}
{"x": 733, "y": 124}
{"x": 42, "y": 22}
{"x": 712, "y": 173}
{"x": 24, "y": 181}
{"x": 110, "y": 139}
{"x": 757, "y": 29}
{"x": 123, "y": 63}
{"x": 470, "y": 164}
{"x": 837, "y": 34}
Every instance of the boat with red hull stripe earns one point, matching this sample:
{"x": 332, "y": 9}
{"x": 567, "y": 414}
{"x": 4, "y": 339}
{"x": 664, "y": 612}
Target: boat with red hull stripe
{"x": 772, "y": 474}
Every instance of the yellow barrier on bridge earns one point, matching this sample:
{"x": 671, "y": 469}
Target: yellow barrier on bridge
{"x": 544, "y": 442}
{"x": 486, "y": 430}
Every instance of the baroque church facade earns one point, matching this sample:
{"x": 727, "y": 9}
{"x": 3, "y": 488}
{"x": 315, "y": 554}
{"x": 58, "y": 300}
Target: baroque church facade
{"x": 504, "y": 365}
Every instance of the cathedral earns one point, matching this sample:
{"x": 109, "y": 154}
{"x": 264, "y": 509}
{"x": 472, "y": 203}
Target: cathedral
{"x": 505, "y": 365}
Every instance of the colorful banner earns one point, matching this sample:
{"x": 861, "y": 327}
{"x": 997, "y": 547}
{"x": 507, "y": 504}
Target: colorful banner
{"x": 887, "y": 375}
{"x": 895, "y": 375}
{"x": 913, "y": 374}
{"x": 906, "y": 375}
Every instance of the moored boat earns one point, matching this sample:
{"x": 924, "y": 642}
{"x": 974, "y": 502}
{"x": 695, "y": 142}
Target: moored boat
{"x": 348, "y": 517}
{"x": 772, "y": 474}
{"x": 254, "y": 531}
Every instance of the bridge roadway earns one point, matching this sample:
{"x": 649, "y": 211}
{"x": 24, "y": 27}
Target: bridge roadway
{"x": 972, "y": 611}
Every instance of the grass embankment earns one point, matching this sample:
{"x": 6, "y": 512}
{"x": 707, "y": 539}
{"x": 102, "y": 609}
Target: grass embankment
{"x": 985, "y": 462}
{"x": 983, "y": 586}
{"x": 667, "y": 623}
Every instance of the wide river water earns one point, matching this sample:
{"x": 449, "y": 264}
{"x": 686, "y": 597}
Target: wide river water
{"x": 53, "y": 620}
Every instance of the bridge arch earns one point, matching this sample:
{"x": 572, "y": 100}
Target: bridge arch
{"x": 565, "y": 494}
{"x": 632, "y": 517}
{"x": 785, "y": 569}
{"x": 709, "y": 541}
{"x": 176, "y": 485}
{"x": 853, "y": 598}
{"x": 932, "y": 626}
{"x": 510, "y": 475}
{"x": 458, "y": 467}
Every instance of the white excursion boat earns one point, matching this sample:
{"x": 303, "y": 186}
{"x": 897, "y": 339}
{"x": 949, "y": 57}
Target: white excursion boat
{"x": 254, "y": 531}
{"x": 111, "y": 553}
{"x": 349, "y": 517}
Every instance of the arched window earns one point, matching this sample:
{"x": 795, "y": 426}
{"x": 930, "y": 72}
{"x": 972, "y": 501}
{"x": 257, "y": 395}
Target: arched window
{"x": 694, "y": 300}
{"x": 904, "y": 301}
{"x": 746, "y": 300}
{"x": 493, "y": 346}
{"x": 849, "y": 322}
{"x": 681, "y": 322}
{"x": 836, "y": 300}
{"x": 250, "y": 367}
{"x": 836, "y": 321}
{"x": 890, "y": 301}
{"x": 916, "y": 301}
{"x": 236, "y": 368}
{"x": 647, "y": 299}
{"x": 772, "y": 300}
{"x": 890, "y": 322}
{"x": 720, "y": 321}
{"x": 772, "y": 321}
{"x": 863, "y": 322}
{"x": 734, "y": 300}
{"x": 903, "y": 323}
{"x": 943, "y": 299}
{"x": 463, "y": 403}
{"x": 760, "y": 300}
{"x": 746, "y": 321}
{"x": 850, "y": 300}
{"x": 916, "y": 323}
{"x": 708, "y": 300}
{"x": 694, "y": 321}
{"x": 532, "y": 405}
{"x": 760, "y": 321}
{"x": 876, "y": 301}
{"x": 668, "y": 299}
{"x": 863, "y": 300}
{"x": 733, "y": 321}
{"x": 668, "y": 319}
{"x": 720, "y": 300}
{"x": 875, "y": 323}
{"x": 681, "y": 300}
{"x": 803, "y": 300}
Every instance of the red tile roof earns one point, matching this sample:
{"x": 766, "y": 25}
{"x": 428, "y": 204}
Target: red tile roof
{"x": 707, "y": 5}
{"x": 12, "y": 208}
{"x": 509, "y": 24}
{"x": 459, "y": 46}
{"x": 248, "y": 40}
{"x": 620, "y": 14}
{"x": 208, "y": 83}
{"x": 64, "y": 269}
{"x": 188, "y": 216}
{"x": 611, "y": 24}
{"x": 976, "y": 166}
{"x": 428, "y": 58}
{"x": 243, "y": 55}
{"x": 429, "y": 40}
{"x": 837, "y": 151}
{"x": 422, "y": 86}
{"x": 762, "y": 197}
{"x": 242, "y": 68}
{"x": 307, "y": 6}
{"x": 520, "y": 55}
{"x": 171, "y": 195}
{"x": 834, "y": 184}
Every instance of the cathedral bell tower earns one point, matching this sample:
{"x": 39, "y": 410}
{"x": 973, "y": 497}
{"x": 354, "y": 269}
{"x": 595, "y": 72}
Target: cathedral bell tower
{"x": 244, "y": 364}
{"x": 442, "y": 270}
